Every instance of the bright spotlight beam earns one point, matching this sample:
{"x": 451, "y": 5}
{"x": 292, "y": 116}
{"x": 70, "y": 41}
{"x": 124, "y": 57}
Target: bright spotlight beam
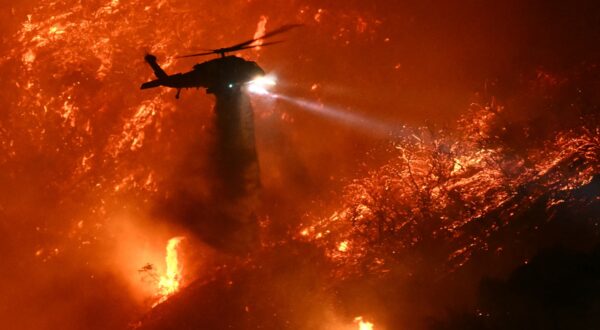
{"x": 364, "y": 123}
{"x": 261, "y": 85}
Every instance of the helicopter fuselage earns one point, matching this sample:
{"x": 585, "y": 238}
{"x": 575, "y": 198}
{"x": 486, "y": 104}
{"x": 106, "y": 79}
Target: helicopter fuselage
{"x": 227, "y": 72}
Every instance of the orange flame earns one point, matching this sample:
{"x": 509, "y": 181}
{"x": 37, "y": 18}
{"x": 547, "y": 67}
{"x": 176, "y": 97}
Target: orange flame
{"x": 260, "y": 31}
{"x": 362, "y": 324}
{"x": 170, "y": 282}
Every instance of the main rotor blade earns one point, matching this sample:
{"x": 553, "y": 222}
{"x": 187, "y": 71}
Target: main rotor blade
{"x": 239, "y": 48}
{"x": 262, "y": 45}
{"x": 248, "y": 43}
{"x": 275, "y": 32}
{"x": 197, "y": 54}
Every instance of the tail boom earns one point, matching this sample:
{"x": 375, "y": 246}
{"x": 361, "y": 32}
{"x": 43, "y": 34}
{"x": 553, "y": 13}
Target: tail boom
{"x": 158, "y": 71}
{"x": 151, "y": 84}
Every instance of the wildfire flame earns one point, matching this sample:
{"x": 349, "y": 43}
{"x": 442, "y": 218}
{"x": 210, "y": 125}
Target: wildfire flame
{"x": 362, "y": 324}
{"x": 378, "y": 226}
{"x": 260, "y": 31}
{"x": 170, "y": 282}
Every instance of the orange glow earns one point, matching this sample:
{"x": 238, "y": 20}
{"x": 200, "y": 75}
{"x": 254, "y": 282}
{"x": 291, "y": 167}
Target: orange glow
{"x": 169, "y": 282}
{"x": 99, "y": 178}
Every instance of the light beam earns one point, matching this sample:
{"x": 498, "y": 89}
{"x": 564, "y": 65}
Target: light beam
{"x": 356, "y": 120}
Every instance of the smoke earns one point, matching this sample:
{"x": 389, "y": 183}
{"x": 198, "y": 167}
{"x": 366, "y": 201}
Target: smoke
{"x": 217, "y": 198}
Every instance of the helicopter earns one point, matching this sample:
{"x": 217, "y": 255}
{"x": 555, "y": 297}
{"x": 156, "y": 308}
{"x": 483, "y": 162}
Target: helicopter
{"x": 219, "y": 75}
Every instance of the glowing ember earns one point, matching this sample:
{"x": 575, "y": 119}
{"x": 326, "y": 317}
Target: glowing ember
{"x": 362, "y": 324}
{"x": 343, "y": 246}
{"x": 169, "y": 283}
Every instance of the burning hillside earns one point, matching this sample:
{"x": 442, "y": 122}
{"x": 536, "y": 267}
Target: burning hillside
{"x": 436, "y": 213}
{"x": 385, "y": 198}
{"x": 453, "y": 192}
